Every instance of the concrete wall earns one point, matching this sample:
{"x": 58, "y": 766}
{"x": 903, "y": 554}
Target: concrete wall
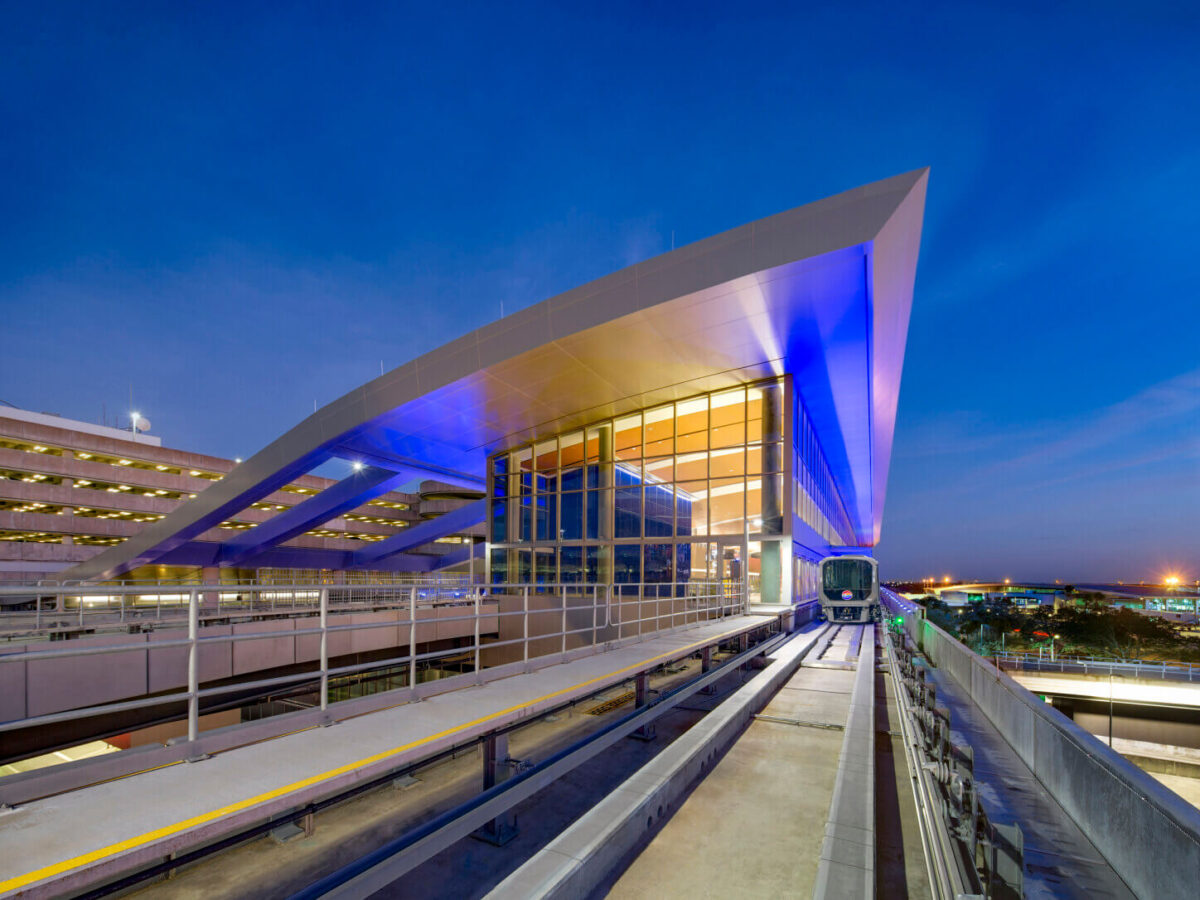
{"x": 1149, "y": 835}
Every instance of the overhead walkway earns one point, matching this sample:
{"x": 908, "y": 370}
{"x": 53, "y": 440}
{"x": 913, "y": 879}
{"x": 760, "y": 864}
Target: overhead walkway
{"x": 64, "y": 843}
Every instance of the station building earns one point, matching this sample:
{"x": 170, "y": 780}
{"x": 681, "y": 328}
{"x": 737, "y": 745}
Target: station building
{"x": 723, "y": 412}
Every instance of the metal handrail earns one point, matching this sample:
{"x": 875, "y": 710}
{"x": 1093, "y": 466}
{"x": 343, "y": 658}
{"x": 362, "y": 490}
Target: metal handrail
{"x": 689, "y": 604}
{"x": 1167, "y": 671}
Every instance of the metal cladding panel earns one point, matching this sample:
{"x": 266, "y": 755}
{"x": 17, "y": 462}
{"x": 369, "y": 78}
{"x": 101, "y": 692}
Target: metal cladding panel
{"x": 789, "y": 293}
{"x": 894, "y": 270}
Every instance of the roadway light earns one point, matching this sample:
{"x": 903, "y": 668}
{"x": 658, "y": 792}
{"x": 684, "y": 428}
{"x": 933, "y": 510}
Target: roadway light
{"x": 1172, "y": 580}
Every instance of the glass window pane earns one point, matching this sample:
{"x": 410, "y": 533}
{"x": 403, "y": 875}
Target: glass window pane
{"x": 627, "y": 512}
{"x": 546, "y": 454}
{"x": 660, "y": 508}
{"x": 726, "y": 505}
{"x": 526, "y": 520}
{"x": 683, "y": 565}
{"x": 570, "y": 565}
{"x": 572, "y": 517}
{"x": 691, "y": 425}
{"x": 691, "y": 467}
{"x": 771, "y": 510}
{"x": 658, "y": 470}
{"x": 754, "y": 504}
{"x": 693, "y": 498}
{"x": 499, "y": 521}
{"x": 700, "y": 561}
{"x": 499, "y": 567}
{"x": 727, "y": 463}
{"x": 571, "y": 449}
{"x": 544, "y": 561}
{"x": 572, "y": 479}
{"x": 657, "y": 563}
{"x": 547, "y": 517}
{"x": 627, "y": 563}
{"x": 727, "y": 419}
{"x": 754, "y": 459}
{"x": 683, "y": 513}
{"x": 660, "y": 431}
{"x": 628, "y": 437}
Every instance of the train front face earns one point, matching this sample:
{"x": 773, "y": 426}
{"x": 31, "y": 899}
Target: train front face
{"x": 849, "y": 588}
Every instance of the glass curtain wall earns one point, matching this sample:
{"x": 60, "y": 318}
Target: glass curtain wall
{"x": 816, "y": 502}
{"x": 661, "y": 497}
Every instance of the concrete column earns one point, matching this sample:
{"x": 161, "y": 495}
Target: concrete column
{"x": 641, "y": 698}
{"x": 496, "y": 769}
{"x": 771, "y": 552}
{"x": 604, "y": 518}
{"x": 706, "y": 666}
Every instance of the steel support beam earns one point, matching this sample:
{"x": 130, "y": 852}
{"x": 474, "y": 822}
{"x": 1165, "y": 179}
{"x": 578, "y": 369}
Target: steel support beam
{"x": 443, "y": 525}
{"x": 349, "y": 493}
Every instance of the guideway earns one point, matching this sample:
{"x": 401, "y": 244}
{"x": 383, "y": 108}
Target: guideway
{"x": 89, "y": 836}
{"x": 787, "y": 795}
{"x": 804, "y": 762}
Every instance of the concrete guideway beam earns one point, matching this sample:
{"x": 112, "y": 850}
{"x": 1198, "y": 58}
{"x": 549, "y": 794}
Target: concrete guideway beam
{"x": 588, "y": 851}
{"x": 847, "y": 866}
{"x": 349, "y": 493}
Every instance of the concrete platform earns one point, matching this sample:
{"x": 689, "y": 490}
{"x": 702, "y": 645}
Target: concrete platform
{"x": 62, "y": 843}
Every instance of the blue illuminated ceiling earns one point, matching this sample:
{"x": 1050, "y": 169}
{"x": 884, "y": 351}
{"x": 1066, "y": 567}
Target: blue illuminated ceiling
{"x": 822, "y": 291}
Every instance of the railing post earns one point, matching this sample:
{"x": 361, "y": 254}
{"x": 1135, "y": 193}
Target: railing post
{"x": 412, "y": 638}
{"x": 595, "y": 612}
{"x": 478, "y": 679}
{"x": 193, "y": 667}
{"x": 324, "y": 647}
{"x": 81, "y": 609}
{"x": 563, "y": 592}
{"x": 525, "y": 619}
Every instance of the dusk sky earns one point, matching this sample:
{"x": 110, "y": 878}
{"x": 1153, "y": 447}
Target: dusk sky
{"x": 243, "y": 209}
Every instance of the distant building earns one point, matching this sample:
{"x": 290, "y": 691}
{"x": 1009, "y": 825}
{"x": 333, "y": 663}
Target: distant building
{"x": 70, "y": 489}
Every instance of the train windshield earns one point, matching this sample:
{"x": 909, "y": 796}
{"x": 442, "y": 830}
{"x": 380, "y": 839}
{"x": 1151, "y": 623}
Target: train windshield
{"x": 854, "y": 575}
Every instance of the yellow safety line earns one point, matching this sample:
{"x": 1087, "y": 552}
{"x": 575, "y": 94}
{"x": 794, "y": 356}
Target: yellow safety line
{"x": 167, "y": 830}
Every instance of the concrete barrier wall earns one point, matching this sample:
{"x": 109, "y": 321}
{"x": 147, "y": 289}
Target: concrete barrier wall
{"x": 1148, "y": 834}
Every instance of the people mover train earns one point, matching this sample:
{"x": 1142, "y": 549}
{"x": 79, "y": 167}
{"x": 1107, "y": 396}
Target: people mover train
{"x": 850, "y": 589}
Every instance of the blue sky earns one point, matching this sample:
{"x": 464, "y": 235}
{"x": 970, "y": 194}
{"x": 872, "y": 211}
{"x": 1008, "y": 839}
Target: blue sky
{"x": 355, "y": 185}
